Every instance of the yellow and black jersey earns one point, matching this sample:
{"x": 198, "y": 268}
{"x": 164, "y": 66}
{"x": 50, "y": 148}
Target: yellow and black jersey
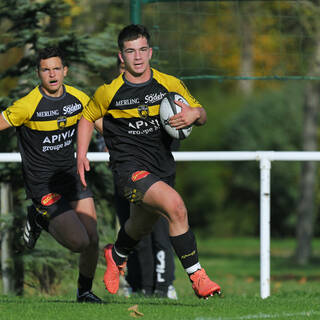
{"x": 131, "y": 123}
{"x": 46, "y": 128}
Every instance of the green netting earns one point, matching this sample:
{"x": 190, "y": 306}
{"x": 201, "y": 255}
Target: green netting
{"x": 230, "y": 39}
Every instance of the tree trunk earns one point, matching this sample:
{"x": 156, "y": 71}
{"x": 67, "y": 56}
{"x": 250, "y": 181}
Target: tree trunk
{"x": 246, "y": 62}
{"x": 18, "y": 251}
{"x": 305, "y": 219}
{"x": 6, "y": 240}
{"x": 11, "y": 254}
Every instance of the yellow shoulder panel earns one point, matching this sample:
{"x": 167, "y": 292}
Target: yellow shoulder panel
{"x": 99, "y": 103}
{"x": 22, "y": 110}
{"x": 83, "y": 97}
{"x": 173, "y": 84}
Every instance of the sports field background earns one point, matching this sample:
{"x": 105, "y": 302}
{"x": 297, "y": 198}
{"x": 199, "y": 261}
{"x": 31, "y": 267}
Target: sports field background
{"x": 233, "y": 263}
{"x": 202, "y": 42}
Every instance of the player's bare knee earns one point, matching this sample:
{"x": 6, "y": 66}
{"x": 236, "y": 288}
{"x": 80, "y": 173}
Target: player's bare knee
{"x": 178, "y": 213}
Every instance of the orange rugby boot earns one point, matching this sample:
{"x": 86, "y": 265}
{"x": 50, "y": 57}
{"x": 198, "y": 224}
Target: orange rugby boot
{"x": 112, "y": 274}
{"x": 202, "y": 285}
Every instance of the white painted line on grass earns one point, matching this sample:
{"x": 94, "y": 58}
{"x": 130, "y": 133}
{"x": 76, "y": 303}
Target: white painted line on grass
{"x": 263, "y": 316}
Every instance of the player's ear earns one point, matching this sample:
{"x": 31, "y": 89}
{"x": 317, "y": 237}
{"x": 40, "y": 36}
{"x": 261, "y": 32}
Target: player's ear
{"x": 120, "y": 56}
{"x": 65, "y": 70}
{"x": 150, "y": 53}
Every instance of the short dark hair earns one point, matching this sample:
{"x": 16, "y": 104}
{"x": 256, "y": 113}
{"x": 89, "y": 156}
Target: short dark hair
{"x": 132, "y": 32}
{"x": 50, "y": 52}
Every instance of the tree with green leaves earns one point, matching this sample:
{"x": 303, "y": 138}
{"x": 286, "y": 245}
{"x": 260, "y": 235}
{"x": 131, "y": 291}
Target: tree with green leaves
{"x": 28, "y": 26}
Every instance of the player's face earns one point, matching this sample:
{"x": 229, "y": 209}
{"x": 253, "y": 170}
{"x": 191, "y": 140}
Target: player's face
{"x": 51, "y": 73}
{"x": 136, "y": 55}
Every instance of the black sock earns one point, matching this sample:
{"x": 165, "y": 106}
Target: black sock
{"x": 185, "y": 247}
{"x": 122, "y": 247}
{"x": 84, "y": 284}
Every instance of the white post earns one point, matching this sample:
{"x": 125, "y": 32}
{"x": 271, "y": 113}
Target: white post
{"x": 265, "y": 166}
{"x": 264, "y": 157}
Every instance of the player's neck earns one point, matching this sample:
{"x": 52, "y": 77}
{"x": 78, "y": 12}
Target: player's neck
{"x": 55, "y": 94}
{"x": 138, "y": 78}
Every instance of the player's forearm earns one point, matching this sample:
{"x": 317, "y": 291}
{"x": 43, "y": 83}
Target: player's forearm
{"x": 202, "y": 117}
{"x": 84, "y": 134}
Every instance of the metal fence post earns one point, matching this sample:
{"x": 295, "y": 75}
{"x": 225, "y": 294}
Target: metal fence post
{"x": 265, "y": 166}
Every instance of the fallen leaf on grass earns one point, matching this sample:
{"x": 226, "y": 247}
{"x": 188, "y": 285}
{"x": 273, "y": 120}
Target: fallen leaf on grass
{"x": 135, "y": 312}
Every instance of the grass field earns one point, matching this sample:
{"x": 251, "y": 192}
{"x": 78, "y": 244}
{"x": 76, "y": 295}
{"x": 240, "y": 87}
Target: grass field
{"x": 233, "y": 263}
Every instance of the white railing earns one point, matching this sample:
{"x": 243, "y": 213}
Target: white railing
{"x": 264, "y": 157}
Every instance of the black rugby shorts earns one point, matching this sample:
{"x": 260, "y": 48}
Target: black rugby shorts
{"x": 134, "y": 184}
{"x": 55, "y": 197}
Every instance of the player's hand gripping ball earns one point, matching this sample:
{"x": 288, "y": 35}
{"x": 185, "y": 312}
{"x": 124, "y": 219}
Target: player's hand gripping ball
{"x": 168, "y": 108}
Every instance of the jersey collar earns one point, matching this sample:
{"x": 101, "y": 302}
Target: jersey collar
{"x": 53, "y": 98}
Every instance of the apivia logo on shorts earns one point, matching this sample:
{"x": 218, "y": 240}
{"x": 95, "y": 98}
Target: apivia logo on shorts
{"x": 71, "y": 108}
{"x": 62, "y": 122}
{"x": 50, "y": 199}
{"x": 139, "y": 175}
{"x": 143, "y": 111}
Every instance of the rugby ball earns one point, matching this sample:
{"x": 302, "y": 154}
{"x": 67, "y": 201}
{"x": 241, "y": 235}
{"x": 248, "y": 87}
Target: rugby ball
{"x": 168, "y": 108}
